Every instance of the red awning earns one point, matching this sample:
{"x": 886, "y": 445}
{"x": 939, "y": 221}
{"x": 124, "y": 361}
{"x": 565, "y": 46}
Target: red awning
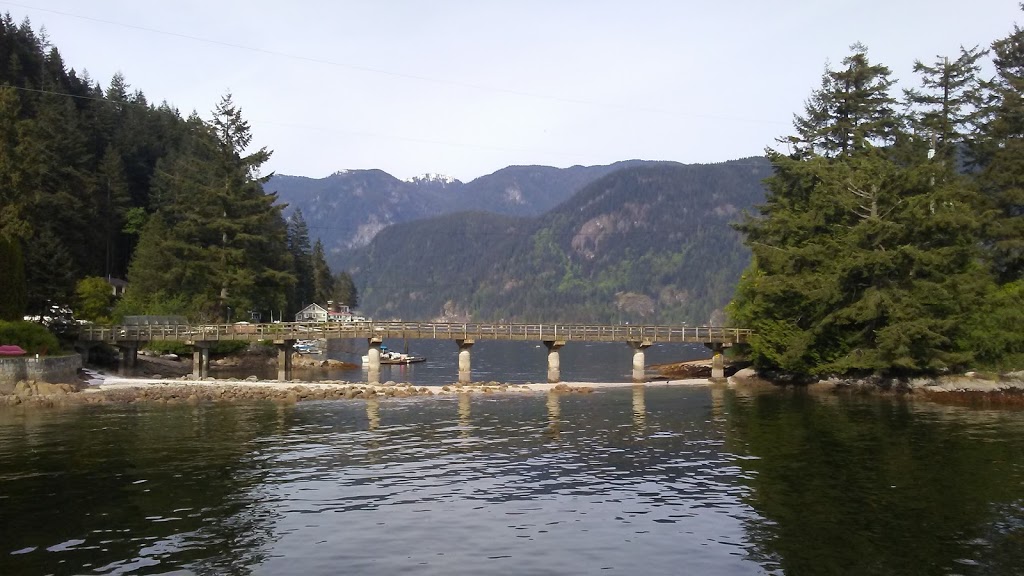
{"x": 11, "y": 350}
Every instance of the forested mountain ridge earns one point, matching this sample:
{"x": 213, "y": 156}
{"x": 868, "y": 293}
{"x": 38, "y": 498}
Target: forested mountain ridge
{"x": 348, "y": 208}
{"x": 649, "y": 243}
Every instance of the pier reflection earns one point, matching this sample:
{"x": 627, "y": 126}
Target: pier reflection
{"x": 639, "y": 409}
{"x": 465, "y": 415}
{"x": 373, "y": 413}
{"x": 554, "y": 414}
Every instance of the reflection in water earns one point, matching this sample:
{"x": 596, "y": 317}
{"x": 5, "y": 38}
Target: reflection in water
{"x": 554, "y": 414}
{"x": 283, "y": 411}
{"x": 877, "y": 486}
{"x": 134, "y": 490}
{"x": 373, "y": 413}
{"x": 718, "y": 400}
{"x": 639, "y": 409}
{"x": 779, "y": 483}
{"x": 466, "y": 428}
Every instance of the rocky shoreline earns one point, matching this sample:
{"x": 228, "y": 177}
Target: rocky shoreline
{"x": 30, "y": 393}
{"x": 971, "y": 388}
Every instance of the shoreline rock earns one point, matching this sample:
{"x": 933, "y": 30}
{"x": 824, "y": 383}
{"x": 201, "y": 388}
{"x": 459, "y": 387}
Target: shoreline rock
{"x": 970, "y": 388}
{"x": 42, "y": 394}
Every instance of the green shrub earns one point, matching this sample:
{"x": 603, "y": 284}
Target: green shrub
{"x": 34, "y": 338}
{"x": 169, "y": 347}
{"x": 226, "y": 347}
{"x": 218, "y": 348}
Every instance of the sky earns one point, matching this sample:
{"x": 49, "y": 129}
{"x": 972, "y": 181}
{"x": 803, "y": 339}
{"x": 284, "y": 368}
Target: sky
{"x": 466, "y": 87}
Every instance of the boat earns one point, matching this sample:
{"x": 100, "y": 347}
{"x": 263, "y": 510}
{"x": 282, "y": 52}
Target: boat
{"x": 399, "y": 358}
{"x": 388, "y": 356}
{"x": 307, "y": 347}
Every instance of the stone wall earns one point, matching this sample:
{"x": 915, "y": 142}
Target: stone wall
{"x": 53, "y": 369}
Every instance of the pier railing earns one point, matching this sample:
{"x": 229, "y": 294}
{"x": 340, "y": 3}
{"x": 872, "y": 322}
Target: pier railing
{"x": 414, "y": 330}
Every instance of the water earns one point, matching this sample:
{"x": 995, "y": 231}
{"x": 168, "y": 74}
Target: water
{"x": 502, "y": 361}
{"x": 623, "y": 481}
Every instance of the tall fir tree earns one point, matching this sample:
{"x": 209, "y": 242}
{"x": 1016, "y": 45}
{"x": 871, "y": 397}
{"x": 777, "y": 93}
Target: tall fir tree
{"x": 862, "y": 263}
{"x": 112, "y": 201}
{"x": 227, "y": 241}
{"x": 345, "y": 290}
{"x": 850, "y": 111}
{"x": 13, "y": 295}
{"x": 1000, "y": 153}
{"x": 323, "y": 282}
{"x": 947, "y": 106}
{"x": 302, "y": 262}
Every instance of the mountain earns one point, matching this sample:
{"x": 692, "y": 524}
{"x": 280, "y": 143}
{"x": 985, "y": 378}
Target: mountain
{"x": 643, "y": 243}
{"x": 347, "y": 209}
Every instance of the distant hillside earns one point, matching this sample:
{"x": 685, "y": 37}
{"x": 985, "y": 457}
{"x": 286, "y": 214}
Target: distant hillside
{"x": 347, "y": 209}
{"x": 643, "y": 243}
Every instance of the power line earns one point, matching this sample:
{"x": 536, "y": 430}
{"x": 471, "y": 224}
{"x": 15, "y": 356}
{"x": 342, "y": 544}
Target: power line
{"x": 402, "y": 75}
{"x": 258, "y": 121}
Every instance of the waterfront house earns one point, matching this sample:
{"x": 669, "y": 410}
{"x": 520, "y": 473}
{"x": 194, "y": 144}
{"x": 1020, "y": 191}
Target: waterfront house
{"x": 312, "y": 313}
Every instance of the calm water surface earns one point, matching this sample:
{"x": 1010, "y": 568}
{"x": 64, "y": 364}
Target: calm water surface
{"x": 623, "y": 481}
{"x": 503, "y": 361}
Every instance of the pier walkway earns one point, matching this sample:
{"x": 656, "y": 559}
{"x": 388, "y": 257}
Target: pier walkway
{"x": 128, "y": 338}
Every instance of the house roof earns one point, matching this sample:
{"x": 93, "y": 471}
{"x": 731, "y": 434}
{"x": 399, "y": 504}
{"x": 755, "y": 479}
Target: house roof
{"x": 313, "y": 308}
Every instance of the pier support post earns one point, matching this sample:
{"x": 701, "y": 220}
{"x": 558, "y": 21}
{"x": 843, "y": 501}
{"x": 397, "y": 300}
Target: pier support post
{"x": 128, "y": 358}
{"x": 717, "y": 360}
{"x": 373, "y": 361}
{"x": 284, "y": 359}
{"x": 554, "y": 366}
{"x": 200, "y": 360}
{"x": 639, "y": 366}
{"x": 465, "y": 376}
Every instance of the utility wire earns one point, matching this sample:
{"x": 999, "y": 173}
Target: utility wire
{"x": 402, "y": 75}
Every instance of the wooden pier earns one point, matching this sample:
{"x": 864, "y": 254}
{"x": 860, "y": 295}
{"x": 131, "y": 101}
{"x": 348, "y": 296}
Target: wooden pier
{"x": 128, "y": 338}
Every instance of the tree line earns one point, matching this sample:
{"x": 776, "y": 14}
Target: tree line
{"x": 892, "y": 237}
{"x": 99, "y": 184}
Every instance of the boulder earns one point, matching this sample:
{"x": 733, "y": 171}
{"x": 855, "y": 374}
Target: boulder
{"x": 745, "y": 373}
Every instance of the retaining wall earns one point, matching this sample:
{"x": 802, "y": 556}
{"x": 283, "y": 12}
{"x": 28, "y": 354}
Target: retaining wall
{"x": 53, "y": 369}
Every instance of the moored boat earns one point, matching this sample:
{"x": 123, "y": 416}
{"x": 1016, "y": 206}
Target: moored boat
{"x": 388, "y": 356}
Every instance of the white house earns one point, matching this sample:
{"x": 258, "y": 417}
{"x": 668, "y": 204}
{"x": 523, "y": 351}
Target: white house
{"x": 312, "y": 313}
{"x": 117, "y": 286}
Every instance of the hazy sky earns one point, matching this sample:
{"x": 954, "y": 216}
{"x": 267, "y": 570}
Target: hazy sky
{"x": 464, "y": 88}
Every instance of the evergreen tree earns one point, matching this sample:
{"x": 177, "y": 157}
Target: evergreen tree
{"x": 302, "y": 262}
{"x": 13, "y": 296}
{"x": 861, "y": 262}
{"x": 13, "y": 202}
{"x": 852, "y": 110}
{"x": 113, "y": 201}
{"x": 1000, "y": 152}
{"x": 156, "y": 276}
{"x": 947, "y": 106}
{"x": 323, "y": 282}
{"x": 49, "y": 273}
{"x": 345, "y": 290}
{"x": 228, "y": 240}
